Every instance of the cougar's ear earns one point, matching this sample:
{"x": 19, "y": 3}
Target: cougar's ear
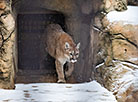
{"x": 78, "y": 45}
{"x": 67, "y": 46}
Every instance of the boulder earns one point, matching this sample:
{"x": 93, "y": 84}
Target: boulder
{"x": 119, "y": 46}
{"x": 121, "y": 80}
{"x": 123, "y": 31}
{"x": 7, "y": 73}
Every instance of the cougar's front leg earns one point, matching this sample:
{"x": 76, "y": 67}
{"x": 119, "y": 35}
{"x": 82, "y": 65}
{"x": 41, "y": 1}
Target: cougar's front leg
{"x": 70, "y": 69}
{"x": 60, "y": 72}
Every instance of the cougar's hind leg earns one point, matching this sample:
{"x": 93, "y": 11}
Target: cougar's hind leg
{"x": 70, "y": 70}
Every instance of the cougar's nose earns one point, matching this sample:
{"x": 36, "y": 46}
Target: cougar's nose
{"x": 73, "y": 60}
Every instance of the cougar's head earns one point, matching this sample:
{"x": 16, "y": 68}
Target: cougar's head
{"x": 72, "y": 52}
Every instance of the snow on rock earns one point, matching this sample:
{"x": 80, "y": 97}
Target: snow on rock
{"x": 122, "y": 79}
{"x": 130, "y": 16}
{"x": 123, "y": 27}
{"x": 52, "y": 92}
{"x": 136, "y": 80}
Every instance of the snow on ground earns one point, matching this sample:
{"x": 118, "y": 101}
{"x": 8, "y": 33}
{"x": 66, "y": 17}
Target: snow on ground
{"x": 130, "y": 16}
{"x": 52, "y": 92}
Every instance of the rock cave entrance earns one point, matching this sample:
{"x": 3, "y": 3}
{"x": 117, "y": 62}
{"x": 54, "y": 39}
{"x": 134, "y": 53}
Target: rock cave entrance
{"x": 75, "y": 18}
{"x": 34, "y": 64}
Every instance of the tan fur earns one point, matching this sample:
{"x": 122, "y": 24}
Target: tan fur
{"x": 61, "y": 46}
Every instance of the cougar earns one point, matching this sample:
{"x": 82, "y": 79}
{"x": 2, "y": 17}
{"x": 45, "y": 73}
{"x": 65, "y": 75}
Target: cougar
{"x": 61, "y": 46}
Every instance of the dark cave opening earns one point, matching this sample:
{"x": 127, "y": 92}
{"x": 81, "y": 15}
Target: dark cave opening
{"x": 33, "y": 60}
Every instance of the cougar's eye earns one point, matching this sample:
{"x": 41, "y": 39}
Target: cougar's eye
{"x": 77, "y": 54}
{"x": 71, "y": 54}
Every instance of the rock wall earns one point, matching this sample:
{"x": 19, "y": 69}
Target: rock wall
{"x": 119, "y": 52}
{"x": 7, "y": 36}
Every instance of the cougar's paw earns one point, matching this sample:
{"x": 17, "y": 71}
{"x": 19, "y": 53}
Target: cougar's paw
{"x": 61, "y": 81}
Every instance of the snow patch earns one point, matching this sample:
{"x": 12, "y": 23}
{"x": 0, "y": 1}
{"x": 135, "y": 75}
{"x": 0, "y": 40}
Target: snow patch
{"x": 133, "y": 59}
{"x": 52, "y": 92}
{"x": 130, "y": 64}
{"x": 130, "y": 16}
{"x": 99, "y": 65}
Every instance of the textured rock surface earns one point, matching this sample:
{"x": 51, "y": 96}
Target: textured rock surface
{"x": 119, "y": 49}
{"x": 124, "y": 40}
{"x": 119, "y": 5}
{"x": 121, "y": 80}
{"x": 6, "y": 46}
